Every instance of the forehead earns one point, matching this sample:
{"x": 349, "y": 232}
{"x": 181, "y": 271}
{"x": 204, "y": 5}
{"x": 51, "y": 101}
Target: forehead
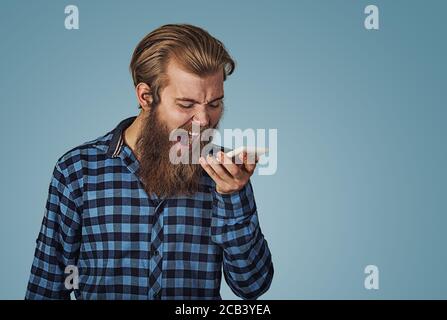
{"x": 185, "y": 84}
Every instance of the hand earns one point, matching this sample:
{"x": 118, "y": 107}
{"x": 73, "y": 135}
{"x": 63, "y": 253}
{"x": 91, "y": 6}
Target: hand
{"x": 229, "y": 176}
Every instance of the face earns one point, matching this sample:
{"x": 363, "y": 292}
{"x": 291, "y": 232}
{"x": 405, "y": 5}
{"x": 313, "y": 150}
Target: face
{"x": 187, "y": 99}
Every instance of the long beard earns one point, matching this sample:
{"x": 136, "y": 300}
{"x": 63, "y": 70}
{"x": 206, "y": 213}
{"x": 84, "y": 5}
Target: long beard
{"x": 156, "y": 171}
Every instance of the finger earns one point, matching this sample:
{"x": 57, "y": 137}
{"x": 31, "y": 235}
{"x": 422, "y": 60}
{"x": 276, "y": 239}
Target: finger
{"x": 229, "y": 165}
{"x": 210, "y": 171}
{"x": 218, "y": 168}
{"x": 250, "y": 168}
{"x": 249, "y": 161}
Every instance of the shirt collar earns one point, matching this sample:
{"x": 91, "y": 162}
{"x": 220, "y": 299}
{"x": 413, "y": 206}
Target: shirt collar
{"x": 116, "y": 143}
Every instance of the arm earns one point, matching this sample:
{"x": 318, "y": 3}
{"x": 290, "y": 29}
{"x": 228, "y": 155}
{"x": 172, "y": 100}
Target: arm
{"x": 247, "y": 263}
{"x": 57, "y": 244}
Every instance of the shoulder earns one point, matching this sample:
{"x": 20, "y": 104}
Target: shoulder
{"x": 85, "y": 155}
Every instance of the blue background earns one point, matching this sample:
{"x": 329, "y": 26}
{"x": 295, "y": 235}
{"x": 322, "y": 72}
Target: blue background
{"x": 361, "y": 119}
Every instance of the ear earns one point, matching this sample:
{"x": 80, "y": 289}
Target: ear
{"x": 144, "y": 95}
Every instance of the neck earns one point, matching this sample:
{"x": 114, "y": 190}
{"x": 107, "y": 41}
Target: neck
{"x": 132, "y": 133}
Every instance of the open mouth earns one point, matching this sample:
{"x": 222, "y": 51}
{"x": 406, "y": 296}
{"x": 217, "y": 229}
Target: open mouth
{"x": 188, "y": 141}
{"x": 192, "y": 137}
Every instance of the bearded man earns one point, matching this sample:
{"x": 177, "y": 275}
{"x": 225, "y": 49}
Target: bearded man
{"x": 123, "y": 221}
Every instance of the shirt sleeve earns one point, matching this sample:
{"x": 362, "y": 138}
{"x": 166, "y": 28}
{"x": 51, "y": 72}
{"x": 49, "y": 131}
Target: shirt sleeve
{"x": 57, "y": 245}
{"x": 247, "y": 261}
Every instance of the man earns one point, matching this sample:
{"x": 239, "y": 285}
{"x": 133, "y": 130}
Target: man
{"x": 123, "y": 221}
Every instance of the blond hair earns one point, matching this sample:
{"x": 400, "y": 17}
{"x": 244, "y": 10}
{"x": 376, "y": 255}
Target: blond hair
{"x": 192, "y": 47}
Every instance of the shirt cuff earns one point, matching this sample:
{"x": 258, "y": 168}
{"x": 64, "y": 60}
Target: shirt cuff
{"x": 234, "y": 205}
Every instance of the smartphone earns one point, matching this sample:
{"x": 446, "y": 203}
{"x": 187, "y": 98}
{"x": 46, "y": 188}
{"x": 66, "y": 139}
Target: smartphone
{"x": 250, "y": 150}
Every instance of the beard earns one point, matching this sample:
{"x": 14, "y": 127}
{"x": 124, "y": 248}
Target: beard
{"x": 157, "y": 173}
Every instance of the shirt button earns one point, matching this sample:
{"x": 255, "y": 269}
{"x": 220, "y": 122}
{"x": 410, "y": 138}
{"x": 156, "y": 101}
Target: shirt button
{"x": 153, "y": 253}
{"x": 157, "y": 295}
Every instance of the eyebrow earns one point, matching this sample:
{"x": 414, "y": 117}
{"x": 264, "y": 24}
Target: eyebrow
{"x": 192, "y": 100}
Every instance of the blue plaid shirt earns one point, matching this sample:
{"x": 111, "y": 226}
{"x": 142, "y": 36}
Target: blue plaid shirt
{"x": 127, "y": 244}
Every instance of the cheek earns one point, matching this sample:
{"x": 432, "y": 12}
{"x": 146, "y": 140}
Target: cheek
{"x": 215, "y": 116}
{"x": 175, "y": 118}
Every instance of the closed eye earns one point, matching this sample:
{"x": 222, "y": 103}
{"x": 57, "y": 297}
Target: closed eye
{"x": 187, "y": 103}
{"x": 216, "y": 104}
{"x": 186, "y": 106}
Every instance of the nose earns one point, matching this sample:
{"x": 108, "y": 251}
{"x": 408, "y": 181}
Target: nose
{"x": 201, "y": 118}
